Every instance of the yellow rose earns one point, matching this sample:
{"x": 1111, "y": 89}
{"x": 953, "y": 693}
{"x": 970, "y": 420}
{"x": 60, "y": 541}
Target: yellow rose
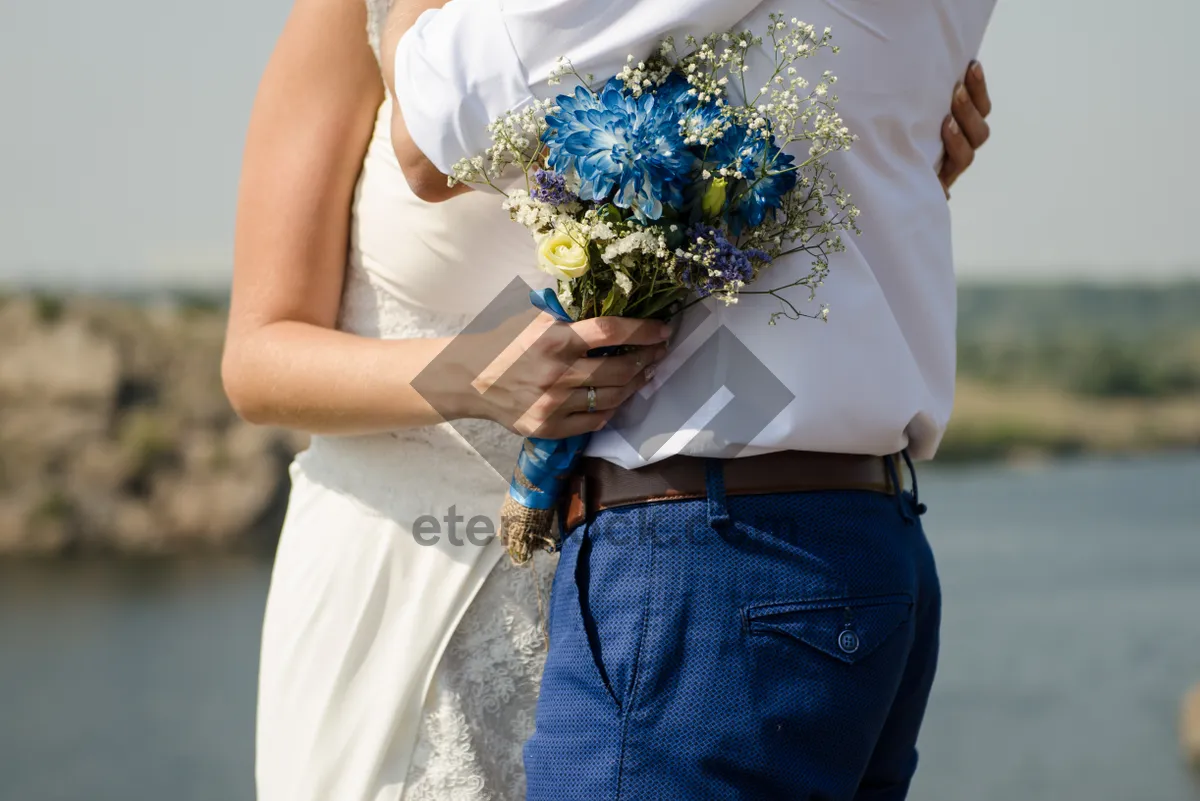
{"x": 563, "y": 254}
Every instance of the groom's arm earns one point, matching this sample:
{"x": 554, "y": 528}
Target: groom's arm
{"x": 423, "y": 178}
{"x": 459, "y": 67}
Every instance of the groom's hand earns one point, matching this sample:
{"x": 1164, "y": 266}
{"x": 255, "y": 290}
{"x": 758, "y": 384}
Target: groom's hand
{"x": 965, "y": 129}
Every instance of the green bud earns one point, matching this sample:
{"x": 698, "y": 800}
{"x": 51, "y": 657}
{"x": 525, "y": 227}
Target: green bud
{"x": 713, "y": 201}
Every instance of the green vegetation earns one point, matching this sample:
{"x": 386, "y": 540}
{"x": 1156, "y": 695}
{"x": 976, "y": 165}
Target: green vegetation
{"x": 198, "y": 304}
{"x": 1001, "y": 439}
{"x": 1059, "y": 370}
{"x": 148, "y": 441}
{"x": 55, "y": 507}
{"x": 1091, "y": 341}
{"x": 49, "y": 308}
{"x": 1044, "y": 369}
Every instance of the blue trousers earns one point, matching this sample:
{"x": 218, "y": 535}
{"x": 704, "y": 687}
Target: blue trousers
{"x": 758, "y": 648}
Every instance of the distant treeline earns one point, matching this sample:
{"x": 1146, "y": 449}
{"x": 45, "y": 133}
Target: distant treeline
{"x": 1101, "y": 341}
{"x": 1095, "y": 341}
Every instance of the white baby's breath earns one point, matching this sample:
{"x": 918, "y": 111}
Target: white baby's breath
{"x": 632, "y": 262}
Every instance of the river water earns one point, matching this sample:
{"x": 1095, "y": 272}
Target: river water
{"x": 1071, "y": 630}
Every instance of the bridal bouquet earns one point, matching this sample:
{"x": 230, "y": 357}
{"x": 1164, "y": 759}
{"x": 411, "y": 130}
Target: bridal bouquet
{"x": 666, "y": 185}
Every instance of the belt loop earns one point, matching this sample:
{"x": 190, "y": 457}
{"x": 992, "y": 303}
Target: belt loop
{"x": 718, "y": 512}
{"x": 890, "y": 462}
{"x": 577, "y": 485}
{"x": 921, "y": 508}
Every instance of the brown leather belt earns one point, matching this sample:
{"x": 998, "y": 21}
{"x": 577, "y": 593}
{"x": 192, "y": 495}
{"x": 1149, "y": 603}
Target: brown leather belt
{"x": 597, "y": 484}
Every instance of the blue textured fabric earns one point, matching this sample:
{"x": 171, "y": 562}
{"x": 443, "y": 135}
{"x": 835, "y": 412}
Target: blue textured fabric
{"x": 758, "y": 648}
{"x": 544, "y": 464}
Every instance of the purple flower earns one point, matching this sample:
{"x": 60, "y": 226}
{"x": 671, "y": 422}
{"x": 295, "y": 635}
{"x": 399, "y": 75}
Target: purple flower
{"x": 721, "y": 262}
{"x": 552, "y": 188}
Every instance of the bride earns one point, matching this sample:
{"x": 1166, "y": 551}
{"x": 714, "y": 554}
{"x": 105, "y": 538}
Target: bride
{"x": 400, "y": 654}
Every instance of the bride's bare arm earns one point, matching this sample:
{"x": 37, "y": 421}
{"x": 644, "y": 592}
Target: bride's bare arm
{"x": 284, "y": 363}
{"x": 312, "y": 119}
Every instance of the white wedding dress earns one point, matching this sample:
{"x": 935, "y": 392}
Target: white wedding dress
{"x": 392, "y": 670}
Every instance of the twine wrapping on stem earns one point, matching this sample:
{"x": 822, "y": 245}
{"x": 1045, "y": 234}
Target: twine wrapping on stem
{"x": 543, "y": 467}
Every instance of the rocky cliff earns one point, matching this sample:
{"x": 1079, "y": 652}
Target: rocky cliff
{"x": 115, "y": 435}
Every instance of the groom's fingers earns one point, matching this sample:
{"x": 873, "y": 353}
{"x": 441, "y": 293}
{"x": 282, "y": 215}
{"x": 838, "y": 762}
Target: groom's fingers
{"x": 968, "y": 117}
{"x": 976, "y": 85}
{"x": 959, "y": 153}
{"x": 965, "y": 129}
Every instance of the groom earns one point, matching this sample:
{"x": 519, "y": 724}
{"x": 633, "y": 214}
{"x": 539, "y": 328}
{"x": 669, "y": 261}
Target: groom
{"x": 744, "y": 611}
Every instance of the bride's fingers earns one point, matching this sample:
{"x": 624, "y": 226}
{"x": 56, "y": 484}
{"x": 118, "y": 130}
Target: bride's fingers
{"x": 568, "y": 425}
{"x": 549, "y": 412}
{"x": 611, "y": 371}
{"x": 607, "y": 398}
{"x": 599, "y": 332}
{"x": 585, "y": 423}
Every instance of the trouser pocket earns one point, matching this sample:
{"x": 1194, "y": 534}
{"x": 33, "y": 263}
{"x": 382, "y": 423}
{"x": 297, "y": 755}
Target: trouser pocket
{"x": 847, "y": 629}
{"x": 822, "y": 676}
{"x": 581, "y": 573}
{"x": 596, "y": 626}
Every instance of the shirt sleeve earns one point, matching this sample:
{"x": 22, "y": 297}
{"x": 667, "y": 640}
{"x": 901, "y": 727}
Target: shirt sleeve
{"x": 464, "y": 65}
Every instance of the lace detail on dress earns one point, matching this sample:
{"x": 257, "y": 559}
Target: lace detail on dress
{"x": 480, "y": 710}
{"x": 377, "y": 11}
{"x": 370, "y": 309}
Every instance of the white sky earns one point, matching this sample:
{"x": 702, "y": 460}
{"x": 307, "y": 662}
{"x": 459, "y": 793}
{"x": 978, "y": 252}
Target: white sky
{"x": 121, "y": 125}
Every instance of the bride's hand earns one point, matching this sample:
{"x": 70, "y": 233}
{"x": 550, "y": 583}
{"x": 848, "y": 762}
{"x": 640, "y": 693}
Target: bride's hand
{"x": 534, "y": 376}
{"x": 965, "y": 129}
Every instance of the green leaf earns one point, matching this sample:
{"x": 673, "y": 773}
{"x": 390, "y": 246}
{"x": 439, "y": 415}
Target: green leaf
{"x": 609, "y": 213}
{"x": 658, "y": 303}
{"x": 675, "y": 238}
{"x": 614, "y": 303}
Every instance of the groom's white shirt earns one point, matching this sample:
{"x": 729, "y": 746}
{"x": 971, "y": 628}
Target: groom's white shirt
{"x": 879, "y": 376}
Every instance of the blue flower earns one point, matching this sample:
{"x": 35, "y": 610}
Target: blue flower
{"x": 693, "y": 116}
{"x": 674, "y": 92}
{"x": 767, "y": 176}
{"x": 571, "y": 115}
{"x": 721, "y": 262}
{"x": 624, "y": 149}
